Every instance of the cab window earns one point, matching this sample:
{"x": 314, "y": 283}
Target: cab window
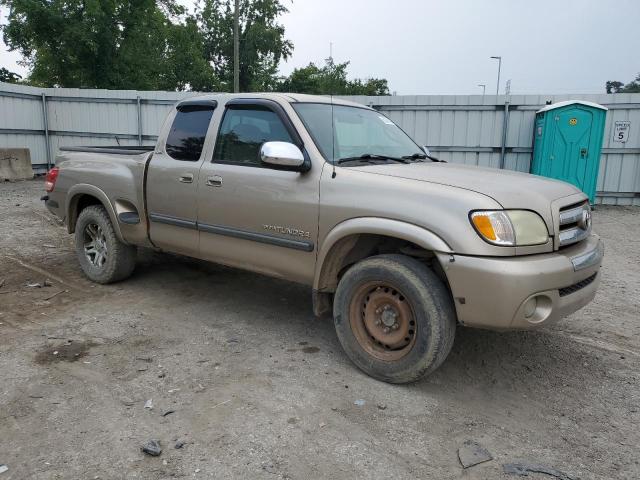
{"x": 243, "y": 131}
{"x": 188, "y": 133}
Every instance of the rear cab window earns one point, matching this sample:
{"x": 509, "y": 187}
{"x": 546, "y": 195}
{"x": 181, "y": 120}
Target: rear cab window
{"x": 188, "y": 132}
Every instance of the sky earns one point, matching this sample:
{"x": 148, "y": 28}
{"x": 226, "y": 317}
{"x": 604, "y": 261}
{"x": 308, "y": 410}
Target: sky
{"x": 443, "y": 46}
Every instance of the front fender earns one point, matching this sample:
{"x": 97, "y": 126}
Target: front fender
{"x": 376, "y": 226}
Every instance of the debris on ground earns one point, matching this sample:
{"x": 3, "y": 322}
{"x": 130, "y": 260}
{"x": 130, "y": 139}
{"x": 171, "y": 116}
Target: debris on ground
{"x": 179, "y": 444}
{"x": 152, "y": 447}
{"x": 47, "y": 283}
{"x": 359, "y": 403}
{"x": 149, "y": 404}
{"x": 382, "y": 406}
{"x": 168, "y": 412}
{"x": 524, "y": 469}
{"x": 3, "y": 468}
{"x": 2, "y": 283}
{"x": 472, "y": 453}
{"x": 55, "y": 295}
{"x": 221, "y": 403}
{"x": 34, "y": 285}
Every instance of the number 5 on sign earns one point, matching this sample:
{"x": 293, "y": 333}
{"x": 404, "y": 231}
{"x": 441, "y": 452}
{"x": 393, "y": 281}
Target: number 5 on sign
{"x": 621, "y": 131}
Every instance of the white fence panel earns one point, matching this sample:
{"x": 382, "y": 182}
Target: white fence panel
{"x": 465, "y": 129}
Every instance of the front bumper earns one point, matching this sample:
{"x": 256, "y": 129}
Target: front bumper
{"x": 497, "y": 293}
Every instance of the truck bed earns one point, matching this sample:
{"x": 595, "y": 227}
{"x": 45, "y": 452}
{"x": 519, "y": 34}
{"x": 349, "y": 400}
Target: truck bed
{"x": 115, "y": 176}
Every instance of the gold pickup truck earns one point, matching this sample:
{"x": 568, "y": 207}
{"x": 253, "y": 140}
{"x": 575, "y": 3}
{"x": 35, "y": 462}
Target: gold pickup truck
{"x": 399, "y": 246}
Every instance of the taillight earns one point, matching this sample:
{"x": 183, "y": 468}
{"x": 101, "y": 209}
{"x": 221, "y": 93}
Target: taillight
{"x": 50, "y": 179}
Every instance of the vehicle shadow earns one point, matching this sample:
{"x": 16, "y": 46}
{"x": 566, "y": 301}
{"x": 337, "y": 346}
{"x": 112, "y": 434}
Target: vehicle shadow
{"x": 542, "y": 363}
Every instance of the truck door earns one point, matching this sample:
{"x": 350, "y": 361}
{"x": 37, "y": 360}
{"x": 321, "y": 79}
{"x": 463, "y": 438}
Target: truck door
{"x": 172, "y": 178}
{"x": 251, "y": 215}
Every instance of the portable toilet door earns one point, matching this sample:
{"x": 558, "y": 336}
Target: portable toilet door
{"x": 567, "y": 143}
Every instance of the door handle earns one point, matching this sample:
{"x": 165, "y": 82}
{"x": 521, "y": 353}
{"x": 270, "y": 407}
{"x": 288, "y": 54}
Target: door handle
{"x": 214, "y": 181}
{"x": 186, "y": 178}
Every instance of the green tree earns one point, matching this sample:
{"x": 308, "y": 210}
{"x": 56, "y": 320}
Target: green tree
{"x": 141, "y": 44}
{"x": 614, "y": 86}
{"x": 8, "y": 76}
{"x": 331, "y": 79}
{"x": 262, "y": 42}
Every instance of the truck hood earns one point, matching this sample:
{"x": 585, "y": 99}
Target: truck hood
{"x": 510, "y": 189}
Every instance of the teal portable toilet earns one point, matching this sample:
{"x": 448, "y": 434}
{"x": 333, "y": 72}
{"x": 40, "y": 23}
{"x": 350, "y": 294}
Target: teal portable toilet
{"x": 567, "y": 143}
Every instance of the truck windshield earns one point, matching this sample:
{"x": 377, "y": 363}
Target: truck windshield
{"x": 355, "y": 134}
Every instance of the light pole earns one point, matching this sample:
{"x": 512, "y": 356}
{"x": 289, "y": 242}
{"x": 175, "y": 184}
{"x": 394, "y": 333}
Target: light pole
{"x": 236, "y": 47}
{"x": 499, "y": 66}
{"x": 484, "y": 87}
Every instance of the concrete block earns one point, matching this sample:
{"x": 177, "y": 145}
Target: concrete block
{"x": 15, "y": 164}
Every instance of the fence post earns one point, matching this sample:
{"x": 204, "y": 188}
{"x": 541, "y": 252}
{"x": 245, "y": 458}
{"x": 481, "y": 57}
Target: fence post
{"x": 45, "y": 120}
{"x": 139, "y": 106}
{"x": 505, "y": 128}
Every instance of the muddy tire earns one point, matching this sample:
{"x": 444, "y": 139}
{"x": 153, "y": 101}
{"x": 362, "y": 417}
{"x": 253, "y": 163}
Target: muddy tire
{"x": 103, "y": 258}
{"x": 394, "y": 318}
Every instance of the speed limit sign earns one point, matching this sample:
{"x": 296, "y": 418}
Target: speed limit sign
{"x": 621, "y": 131}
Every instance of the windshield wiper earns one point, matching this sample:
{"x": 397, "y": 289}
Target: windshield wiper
{"x": 423, "y": 156}
{"x": 371, "y": 157}
{"x": 416, "y": 156}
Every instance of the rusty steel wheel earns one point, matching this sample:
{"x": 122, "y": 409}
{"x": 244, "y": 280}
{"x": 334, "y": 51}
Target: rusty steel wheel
{"x": 382, "y": 321}
{"x": 394, "y": 317}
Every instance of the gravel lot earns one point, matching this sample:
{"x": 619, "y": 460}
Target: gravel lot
{"x": 259, "y": 388}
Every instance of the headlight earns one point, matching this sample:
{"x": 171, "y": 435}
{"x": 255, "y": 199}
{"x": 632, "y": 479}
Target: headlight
{"x": 510, "y": 228}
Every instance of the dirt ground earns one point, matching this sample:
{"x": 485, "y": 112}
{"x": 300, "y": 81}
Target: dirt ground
{"x": 240, "y": 371}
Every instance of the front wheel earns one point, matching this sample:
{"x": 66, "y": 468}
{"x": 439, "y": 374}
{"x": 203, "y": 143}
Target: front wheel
{"x": 103, "y": 258}
{"x": 394, "y": 318}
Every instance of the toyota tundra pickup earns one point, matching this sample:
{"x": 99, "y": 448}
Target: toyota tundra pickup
{"x": 399, "y": 246}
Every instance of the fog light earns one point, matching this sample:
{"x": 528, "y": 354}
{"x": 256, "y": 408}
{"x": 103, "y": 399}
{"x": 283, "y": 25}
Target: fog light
{"x": 530, "y": 307}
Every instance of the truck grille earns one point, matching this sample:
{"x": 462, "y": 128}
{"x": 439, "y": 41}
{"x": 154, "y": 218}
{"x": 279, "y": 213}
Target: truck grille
{"x": 575, "y": 224}
{"x": 577, "y": 286}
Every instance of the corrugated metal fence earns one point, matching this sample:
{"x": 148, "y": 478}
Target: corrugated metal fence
{"x": 44, "y": 119}
{"x": 488, "y": 131}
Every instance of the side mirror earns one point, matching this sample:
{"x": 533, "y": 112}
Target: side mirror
{"x": 282, "y": 155}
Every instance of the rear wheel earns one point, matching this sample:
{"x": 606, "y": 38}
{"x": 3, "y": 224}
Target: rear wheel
{"x": 394, "y": 318}
{"x": 103, "y": 258}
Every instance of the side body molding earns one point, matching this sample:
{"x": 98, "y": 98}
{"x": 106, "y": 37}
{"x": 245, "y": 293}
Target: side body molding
{"x": 376, "y": 226}
{"x": 74, "y": 194}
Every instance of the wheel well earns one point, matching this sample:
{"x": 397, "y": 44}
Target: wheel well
{"x": 353, "y": 248}
{"x": 349, "y": 250}
{"x": 79, "y": 203}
